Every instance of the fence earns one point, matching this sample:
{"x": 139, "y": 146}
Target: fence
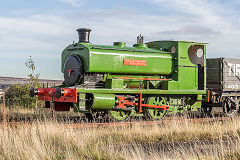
{"x": 3, "y": 106}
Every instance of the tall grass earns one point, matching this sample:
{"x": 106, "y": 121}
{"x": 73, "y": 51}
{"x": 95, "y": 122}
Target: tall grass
{"x": 19, "y": 113}
{"x": 52, "y": 140}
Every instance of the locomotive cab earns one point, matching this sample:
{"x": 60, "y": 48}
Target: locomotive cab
{"x": 189, "y": 64}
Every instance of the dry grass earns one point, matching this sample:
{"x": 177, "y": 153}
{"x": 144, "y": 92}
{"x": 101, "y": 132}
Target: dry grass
{"x": 52, "y": 140}
{"x": 18, "y": 113}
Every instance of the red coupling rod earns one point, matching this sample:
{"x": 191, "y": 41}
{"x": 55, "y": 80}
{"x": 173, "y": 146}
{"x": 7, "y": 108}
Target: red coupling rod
{"x": 123, "y": 102}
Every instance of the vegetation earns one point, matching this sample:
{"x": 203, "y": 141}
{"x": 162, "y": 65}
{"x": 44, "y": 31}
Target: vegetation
{"x": 18, "y": 95}
{"x": 52, "y": 140}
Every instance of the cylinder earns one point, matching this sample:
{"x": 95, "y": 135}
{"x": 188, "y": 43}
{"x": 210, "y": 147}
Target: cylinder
{"x": 101, "y": 101}
{"x": 83, "y": 34}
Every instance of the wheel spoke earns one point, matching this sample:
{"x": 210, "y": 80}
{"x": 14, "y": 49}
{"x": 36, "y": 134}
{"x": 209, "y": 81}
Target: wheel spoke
{"x": 154, "y": 113}
{"x": 120, "y": 115}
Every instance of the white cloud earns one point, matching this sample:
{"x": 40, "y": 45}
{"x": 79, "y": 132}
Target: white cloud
{"x": 200, "y": 23}
{"x": 208, "y": 21}
{"x": 186, "y": 20}
{"x": 76, "y": 3}
{"x": 34, "y": 33}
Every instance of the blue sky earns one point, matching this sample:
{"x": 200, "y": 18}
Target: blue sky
{"x": 42, "y": 29}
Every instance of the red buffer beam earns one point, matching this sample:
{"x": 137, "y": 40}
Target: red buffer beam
{"x": 48, "y": 94}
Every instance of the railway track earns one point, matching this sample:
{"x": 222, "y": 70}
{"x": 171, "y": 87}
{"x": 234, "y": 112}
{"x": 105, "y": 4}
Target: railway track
{"x": 65, "y": 118}
{"x": 127, "y": 124}
{"x": 147, "y": 123}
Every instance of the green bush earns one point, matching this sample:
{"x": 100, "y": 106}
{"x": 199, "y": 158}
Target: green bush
{"x": 18, "y": 95}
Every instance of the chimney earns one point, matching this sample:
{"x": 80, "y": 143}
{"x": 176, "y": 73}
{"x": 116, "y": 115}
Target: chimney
{"x": 83, "y": 34}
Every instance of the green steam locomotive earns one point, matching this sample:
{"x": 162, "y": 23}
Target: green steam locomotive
{"x": 149, "y": 79}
